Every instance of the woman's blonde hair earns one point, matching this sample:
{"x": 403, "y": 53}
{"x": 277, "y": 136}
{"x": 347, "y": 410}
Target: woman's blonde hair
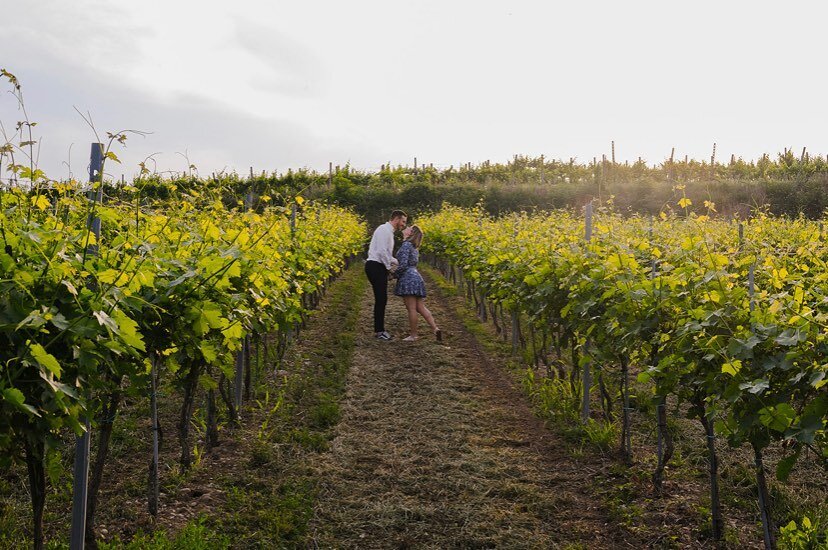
{"x": 416, "y": 236}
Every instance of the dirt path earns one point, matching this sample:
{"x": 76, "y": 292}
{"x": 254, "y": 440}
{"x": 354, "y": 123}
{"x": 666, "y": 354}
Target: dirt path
{"x": 436, "y": 449}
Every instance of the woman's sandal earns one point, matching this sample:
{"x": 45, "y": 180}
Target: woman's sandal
{"x": 410, "y": 338}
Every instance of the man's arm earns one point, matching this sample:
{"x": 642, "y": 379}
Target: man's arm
{"x": 386, "y": 248}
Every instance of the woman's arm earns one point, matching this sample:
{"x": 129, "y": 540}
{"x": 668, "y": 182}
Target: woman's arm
{"x": 404, "y": 257}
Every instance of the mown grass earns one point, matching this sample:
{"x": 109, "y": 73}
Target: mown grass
{"x": 270, "y": 503}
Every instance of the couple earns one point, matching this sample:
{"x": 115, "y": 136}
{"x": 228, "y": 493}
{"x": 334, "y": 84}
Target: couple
{"x": 381, "y": 265}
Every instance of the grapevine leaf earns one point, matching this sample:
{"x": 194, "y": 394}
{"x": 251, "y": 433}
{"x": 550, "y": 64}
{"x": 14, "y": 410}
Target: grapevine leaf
{"x": 207, "y": 382}
{"x": 108, "y": 276}
{"x": 106, "y": 321}
{"x": 756, "y": 387}
{"x": 208, "y": 350}
{"x": 45, "y": 359}
{"x": 54, "y": 466}
{"x": 58, "y": 387}
{"x": 15, "y": 397}
{"x": 732, "y": 367}
{"x": 69, "y": 286}
{"x": 784, "y": 467}
{"x": 212, "y": 313}
{"x": 777, "y": 418}
{"x": 41, "y": 202}
{"x": 789, "y": 337}
{"x": 128, "y": 330}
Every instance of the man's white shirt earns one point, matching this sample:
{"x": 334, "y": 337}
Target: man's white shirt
{"x": 381, "y": 248}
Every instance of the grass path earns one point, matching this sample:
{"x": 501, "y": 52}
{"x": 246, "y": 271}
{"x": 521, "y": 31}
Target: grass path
{"x": 436, "y": 449}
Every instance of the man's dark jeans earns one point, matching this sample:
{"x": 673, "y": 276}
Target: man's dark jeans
{"x": 378, "y": 275}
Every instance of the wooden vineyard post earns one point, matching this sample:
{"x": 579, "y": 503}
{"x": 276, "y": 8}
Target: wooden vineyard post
{"x": 768, "y": 529}
{"x": 713, "y": 163}
{"x": 587, "y": 374}
{"x": 290, "y": 332}
{"x": 604, "y": 170}
{"x": 81, "y": 470}
{"x": 541, "y": 170}
{"x": 240, "y": 354}
{"x": 665, "y": 439}
{"x": 153, "y": 481}
{"x": 239, "y": 382}
{"x": 247, "y": 367}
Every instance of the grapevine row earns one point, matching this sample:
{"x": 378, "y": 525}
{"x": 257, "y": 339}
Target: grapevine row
{"x": 729, "y": 318}
{"x": 166, "y": 297}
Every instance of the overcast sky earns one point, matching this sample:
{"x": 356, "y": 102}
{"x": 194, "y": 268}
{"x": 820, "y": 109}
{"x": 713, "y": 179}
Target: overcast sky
{"x": 280, "y": 84}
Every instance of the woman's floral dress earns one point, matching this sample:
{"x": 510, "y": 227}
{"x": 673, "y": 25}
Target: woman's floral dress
{"x": 409, "y": 280}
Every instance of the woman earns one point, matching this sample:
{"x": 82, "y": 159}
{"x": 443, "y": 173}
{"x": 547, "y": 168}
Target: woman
{"x": 410, "y": 284}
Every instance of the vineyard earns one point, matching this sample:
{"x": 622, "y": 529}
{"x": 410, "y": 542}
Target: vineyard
{"x": 727, "y": 320}
{"x": 107, "y": 300}
{"x": 103, "y": 299}
{"x": 642, "y": 342}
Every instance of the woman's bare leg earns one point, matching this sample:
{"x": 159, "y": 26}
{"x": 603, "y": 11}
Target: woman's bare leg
{"x": 423, "y": 310}
{"x": 411, "y": 306}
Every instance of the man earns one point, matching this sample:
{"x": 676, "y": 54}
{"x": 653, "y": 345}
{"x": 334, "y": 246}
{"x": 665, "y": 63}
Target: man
{"x": 380, "y": 262}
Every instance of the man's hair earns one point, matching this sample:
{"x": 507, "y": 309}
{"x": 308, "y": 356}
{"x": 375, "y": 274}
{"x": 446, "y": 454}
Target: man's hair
{"x": 398, "y": 214}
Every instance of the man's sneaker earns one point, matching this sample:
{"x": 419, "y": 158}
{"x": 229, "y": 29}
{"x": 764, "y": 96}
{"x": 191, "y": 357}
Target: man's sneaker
{"x": 384, "y": 336}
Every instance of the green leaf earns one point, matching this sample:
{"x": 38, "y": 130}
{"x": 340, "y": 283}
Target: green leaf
{"x": 777, "y": 418}
{"x": 16, "y": 398}
{"x": 60, "y": 321}
{"x": 208, "y": 350}
{"x": 41, "y": 202}
{"x": 58, "y": 387}
{"x": 108, "y": 276}
{"x": 789, "y": 337}
{"x": 756, "y": 387}
{"x": 128, "y": 330}
{"x": 54, "y": 466}
{"x": 200, "y": 325}
{"x": 784, "y": 467}
{"x": 212, "y": 313}
{"x": 106, "y": 321}
{"x": 206, "y": 381}
{"x": 45, "y": 359}
{"x": 233, "y": 332}
{"x": 732, "y": 367}
{"x": 818, "y": 379}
